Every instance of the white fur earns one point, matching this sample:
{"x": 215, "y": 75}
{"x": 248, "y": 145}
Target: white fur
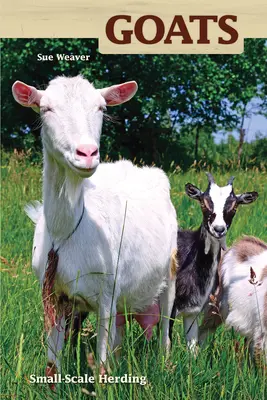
{"x": 242, "y": 305}
{"x": 218, "y": 196}
{"x": 88, "y": 260}
{"x": 34, "y": 210}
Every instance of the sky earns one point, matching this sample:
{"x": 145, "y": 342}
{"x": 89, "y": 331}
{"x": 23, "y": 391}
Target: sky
{"x": 253, "y": 125}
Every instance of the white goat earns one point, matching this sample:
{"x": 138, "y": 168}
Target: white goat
{"x": 242, "y": 297}
{"x": 83, "y": 219}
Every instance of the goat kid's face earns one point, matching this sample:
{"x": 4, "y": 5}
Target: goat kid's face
{"x": 219, "y": 205}
{"x": 71, "y": 110}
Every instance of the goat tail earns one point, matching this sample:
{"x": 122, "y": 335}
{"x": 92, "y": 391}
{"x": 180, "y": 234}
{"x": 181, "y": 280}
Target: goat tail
{"x": 34, "y": 210}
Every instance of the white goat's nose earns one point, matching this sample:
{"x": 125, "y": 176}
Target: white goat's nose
{"x": 87, "y": 151}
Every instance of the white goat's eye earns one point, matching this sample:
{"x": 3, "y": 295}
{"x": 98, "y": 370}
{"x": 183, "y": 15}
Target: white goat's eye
{"x": 46, "y": 109}
{"x": 102, "y": 108}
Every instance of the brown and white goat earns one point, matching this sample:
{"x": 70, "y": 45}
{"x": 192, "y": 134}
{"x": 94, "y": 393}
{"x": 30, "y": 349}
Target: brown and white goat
{"x": 242, "y": 295}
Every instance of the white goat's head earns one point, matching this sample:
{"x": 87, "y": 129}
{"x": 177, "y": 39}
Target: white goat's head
{"x": 71, "y": 110}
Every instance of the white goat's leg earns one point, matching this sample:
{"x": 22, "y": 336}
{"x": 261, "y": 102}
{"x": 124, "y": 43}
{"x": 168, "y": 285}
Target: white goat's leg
{"x": 106, "y": 331}
{"x": 191, "y": 332}
{"x": 118, "y": 340}
{"x": 56, "y": 341}
{"x": 166, "y": 304}
{"x": 55, "y": 345}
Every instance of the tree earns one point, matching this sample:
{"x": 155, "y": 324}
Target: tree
{"x": 245, "y": 80}
{"x": 179, "y": 95}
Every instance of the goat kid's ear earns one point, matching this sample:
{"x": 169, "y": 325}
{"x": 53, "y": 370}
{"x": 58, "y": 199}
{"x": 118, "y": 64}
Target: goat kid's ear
{"x": 27, "y": 96}
{"x": 118, "y": 94}
{"x": 247, "y": 198}
{"x": 192, "y": 191}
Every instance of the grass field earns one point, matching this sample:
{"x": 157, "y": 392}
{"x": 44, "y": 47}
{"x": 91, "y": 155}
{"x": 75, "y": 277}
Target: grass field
{"x": 219, "y": 372}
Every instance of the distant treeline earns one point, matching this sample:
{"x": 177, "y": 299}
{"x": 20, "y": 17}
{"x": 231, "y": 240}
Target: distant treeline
{"x": 178, "y": 158}
{"x": 181, "y": 100}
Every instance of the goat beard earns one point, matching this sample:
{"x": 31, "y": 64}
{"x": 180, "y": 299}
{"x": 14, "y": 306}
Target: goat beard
{"x": 222, "y": 242}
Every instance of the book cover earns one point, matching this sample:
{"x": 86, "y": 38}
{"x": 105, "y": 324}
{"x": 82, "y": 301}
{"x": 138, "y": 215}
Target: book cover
{"x": 133, "y": 218}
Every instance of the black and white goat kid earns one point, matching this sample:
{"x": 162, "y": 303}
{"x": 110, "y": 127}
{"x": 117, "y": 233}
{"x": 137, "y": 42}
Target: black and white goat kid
{"x": 199, "y": 252}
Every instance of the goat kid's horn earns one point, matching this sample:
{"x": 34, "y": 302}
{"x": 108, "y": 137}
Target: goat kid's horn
{"x": 210, "y": 177}
{"x": 231, "y": 180}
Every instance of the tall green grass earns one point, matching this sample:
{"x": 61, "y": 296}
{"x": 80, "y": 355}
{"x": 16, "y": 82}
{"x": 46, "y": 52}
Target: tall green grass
{"x": 219, "y": 372}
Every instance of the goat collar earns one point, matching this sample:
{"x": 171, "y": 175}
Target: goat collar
{"x": 72, "y": 232}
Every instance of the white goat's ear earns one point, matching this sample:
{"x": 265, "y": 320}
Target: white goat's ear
{"x": 193, "y": 191}
{"x": 118, "y": 94}
{"x": 27, "y": 96}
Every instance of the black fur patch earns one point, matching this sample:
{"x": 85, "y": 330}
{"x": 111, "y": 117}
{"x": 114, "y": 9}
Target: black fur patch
{"x": 194, "y": 269}
{"x": 229, "y": 210}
